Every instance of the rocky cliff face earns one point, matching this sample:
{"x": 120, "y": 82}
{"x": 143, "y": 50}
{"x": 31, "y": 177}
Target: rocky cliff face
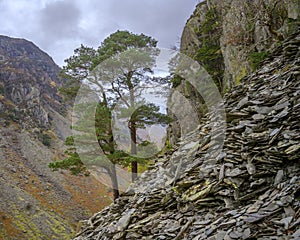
{"x": 241, "y": 29}
{"x": 250, "y": 190}
{"x": 36, "y": 203}
{"x": 230, "y": 38}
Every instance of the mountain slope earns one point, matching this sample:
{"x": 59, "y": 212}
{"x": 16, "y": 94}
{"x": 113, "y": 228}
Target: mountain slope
{"x": 36, "y": 203}
{"x": 29, "y": 81}
{"x": 251, "y": 190}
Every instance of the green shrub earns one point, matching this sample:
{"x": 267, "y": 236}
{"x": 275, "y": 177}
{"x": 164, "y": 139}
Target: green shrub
{"x": 256, "y": 59}
{"x": 46, "y": 139}
{"x": 176, "y": 80}
{"x": 69, "y": 141}
{"x": 209, "y": 54}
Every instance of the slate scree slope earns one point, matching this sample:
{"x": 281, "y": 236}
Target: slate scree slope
{"x": 251, "y": 190}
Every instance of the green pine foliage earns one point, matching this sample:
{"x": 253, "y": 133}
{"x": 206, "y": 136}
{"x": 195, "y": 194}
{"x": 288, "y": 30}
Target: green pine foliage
{"x": 121, "y": 41}
{"x": 71, "y": 163}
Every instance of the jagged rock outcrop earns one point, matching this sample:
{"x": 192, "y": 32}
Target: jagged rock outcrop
{"x": 36, "y": 203}
{"x": 251, "y": 190}
{"x": 230, "y": 38}
{"x": 242, "y": 28}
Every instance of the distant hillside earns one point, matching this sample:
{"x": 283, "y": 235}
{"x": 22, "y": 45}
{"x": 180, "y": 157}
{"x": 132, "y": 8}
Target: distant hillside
{"x": 36, "y": 203}
{"x": 28, "y": 83}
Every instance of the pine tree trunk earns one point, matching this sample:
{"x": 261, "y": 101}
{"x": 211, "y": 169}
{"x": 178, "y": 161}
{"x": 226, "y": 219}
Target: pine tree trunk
{"x": 134, "y": 165}
{"x": 114, "y": 180}
{"x": 134, "y": 170}
{"x": 132, "y": 127}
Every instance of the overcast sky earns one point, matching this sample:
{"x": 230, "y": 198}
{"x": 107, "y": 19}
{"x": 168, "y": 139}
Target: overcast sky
{"x": 59, "y": 26}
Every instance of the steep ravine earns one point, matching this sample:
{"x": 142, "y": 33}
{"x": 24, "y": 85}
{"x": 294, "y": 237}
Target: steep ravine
{"x": 251, "y": 190}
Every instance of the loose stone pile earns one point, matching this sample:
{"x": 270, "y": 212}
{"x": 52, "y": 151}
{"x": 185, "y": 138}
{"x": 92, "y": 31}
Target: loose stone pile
{"x": 251, "y": 190}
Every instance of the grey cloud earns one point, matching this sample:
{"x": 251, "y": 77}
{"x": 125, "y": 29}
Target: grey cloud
{"x": 59, "y": 26}
{"x": 59, "y": 20}
{"x": 161, "y": 19}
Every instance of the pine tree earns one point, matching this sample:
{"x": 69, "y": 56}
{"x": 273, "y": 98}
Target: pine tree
{"x": 123, "y": 70}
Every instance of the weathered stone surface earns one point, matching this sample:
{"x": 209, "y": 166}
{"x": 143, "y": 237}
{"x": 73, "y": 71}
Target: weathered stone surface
{"x": 240, "y": 35}
{"x": 247, "y": 27}
{"x": 250, "y": 191}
